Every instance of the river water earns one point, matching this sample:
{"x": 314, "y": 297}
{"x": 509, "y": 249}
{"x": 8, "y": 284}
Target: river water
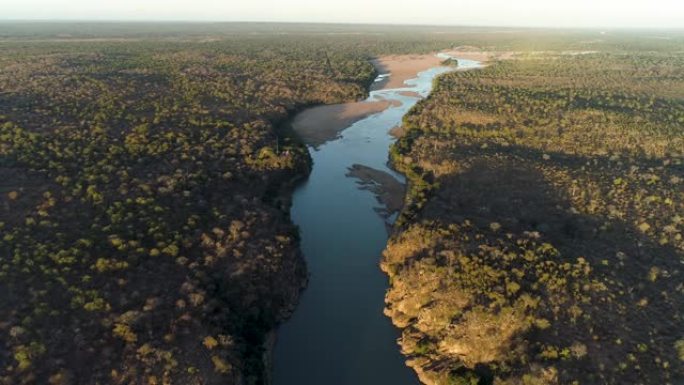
{"x": 338, "y": 334}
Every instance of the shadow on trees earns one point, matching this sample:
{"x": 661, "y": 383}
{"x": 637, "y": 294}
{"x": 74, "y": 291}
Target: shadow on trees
{"x": 630, "y": 328}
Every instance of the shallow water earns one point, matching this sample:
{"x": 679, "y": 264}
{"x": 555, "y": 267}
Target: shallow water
{"x": 338, "y": 334}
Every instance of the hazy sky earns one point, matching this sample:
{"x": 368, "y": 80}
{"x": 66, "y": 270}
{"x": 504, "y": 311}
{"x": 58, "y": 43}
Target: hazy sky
{"x": 548, "y": 13}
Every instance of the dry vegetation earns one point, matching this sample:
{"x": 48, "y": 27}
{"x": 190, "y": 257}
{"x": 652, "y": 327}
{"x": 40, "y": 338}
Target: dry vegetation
{"x": 144, "y": 193}
{"x": 143, "y": 205}
{"x": 542, "y": 241}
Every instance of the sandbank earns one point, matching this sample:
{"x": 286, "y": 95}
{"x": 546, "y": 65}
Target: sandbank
{"x": 318, "y": 125}
{"x": 402, "y": 68}
{"x": 387, "y": 189}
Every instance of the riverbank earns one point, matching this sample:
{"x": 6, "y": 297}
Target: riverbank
{"x": 402, "y": 68}
{"x": 386, "y": 188}
{"x": 321, "y": 124}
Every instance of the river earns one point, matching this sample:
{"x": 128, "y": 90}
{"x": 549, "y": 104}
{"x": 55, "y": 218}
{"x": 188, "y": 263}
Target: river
{"x": 338, "y": 335}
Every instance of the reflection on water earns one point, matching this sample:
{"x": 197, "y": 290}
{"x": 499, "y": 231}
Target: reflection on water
{"x": 338, "y": 334}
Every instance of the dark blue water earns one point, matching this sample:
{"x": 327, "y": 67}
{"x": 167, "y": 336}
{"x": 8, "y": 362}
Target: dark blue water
{"x": 338, "y": 334}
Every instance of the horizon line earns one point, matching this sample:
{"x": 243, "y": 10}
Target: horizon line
{"x": 350, "y": 23}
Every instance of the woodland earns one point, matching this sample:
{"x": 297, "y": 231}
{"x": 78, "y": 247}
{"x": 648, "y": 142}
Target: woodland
{"x": 541, "y": 241}
{"x": 146, "y": 173}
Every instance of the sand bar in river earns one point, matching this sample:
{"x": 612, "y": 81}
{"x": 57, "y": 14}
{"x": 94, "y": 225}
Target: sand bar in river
{"x": 387, "y": 189}
{"x": 402, "y": 68}
{"x": 320, "y": 124}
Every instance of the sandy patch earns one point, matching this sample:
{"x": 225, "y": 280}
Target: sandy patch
{"x": 393, "y": 102}
{"x": 397, "y": 131}
{"x": 476, "y": 53}
{"x": 389, "y": 191}
{"x": 320, "y": 124}
{"x": 402, "y": 68}
{"x": 411, "y": 94}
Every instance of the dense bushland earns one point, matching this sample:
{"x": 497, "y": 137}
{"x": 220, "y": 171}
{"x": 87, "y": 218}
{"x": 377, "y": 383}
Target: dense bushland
{"x": 143, "y": 204}
{"x": 542, "y": 241}
{"x": 144, "y": 182}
